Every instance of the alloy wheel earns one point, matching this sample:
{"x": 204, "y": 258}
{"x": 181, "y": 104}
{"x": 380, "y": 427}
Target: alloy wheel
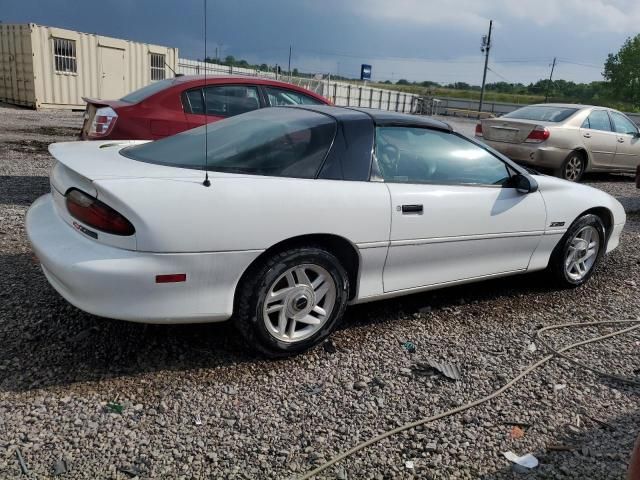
{"x": 582, "y": 253}
{"x": 573, "y": 168}
{"x": 299, "y": 302}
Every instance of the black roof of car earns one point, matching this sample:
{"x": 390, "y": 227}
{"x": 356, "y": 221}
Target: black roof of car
{"x": 380, "y": 117}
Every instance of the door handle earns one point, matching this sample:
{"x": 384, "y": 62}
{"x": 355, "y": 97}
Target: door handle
{"x": 620, "y": 140}
{"x": 406, "y": 209}
{"x": 587, "y": 135}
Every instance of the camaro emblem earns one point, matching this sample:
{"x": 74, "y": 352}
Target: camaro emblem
{"x": 86, "y": 231}
{"x": 557, "y": 224}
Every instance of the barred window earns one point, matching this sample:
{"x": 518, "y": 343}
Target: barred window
{"x": 64, "y": 54}
{"x": 157, "y": 66}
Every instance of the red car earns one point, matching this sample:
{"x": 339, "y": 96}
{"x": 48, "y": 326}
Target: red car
{"x": 174, "y": 105}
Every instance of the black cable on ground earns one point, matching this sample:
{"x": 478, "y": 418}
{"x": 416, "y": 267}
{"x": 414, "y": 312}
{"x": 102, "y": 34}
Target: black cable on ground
{"x": 619, "y": 378}
{"x": 491, "y": 396}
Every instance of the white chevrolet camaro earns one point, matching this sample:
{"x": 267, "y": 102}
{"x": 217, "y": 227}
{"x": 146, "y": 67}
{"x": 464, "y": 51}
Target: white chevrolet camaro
{"x": 293, "y": 213}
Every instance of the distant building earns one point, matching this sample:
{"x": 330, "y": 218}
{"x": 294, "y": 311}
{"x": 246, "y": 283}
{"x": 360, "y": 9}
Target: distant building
{"x": 47, "y": 67}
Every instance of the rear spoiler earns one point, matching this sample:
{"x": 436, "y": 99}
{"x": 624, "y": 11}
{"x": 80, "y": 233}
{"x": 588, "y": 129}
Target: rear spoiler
{"x": 104, "y": 103}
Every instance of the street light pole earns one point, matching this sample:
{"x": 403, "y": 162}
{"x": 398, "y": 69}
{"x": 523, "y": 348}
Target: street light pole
{"x": 486, "y": 46}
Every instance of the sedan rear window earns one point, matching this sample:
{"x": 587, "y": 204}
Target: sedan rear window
{"x": 145, "y": 92}
{"x": 282, "y": 142}
{"x": 542, "y": 113}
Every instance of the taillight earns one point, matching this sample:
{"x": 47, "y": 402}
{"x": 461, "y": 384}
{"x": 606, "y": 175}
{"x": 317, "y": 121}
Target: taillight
{"x": 479, "y": 130}
{"x": 538, "y": 134}
{"x": 103, "y": 121}
{"x": 94, "y": 213}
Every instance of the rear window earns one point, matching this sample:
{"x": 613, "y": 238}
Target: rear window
{"x": 145, "y": 92}
{"x": 542, "y": 113}
{"x": 282, "y": 142}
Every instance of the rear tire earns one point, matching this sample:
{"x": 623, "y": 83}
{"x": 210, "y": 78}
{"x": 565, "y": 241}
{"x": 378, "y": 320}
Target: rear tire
{"x": 292, "y": 301}
{"x": 578, "y": 253}
{"x": 573, "y": 167}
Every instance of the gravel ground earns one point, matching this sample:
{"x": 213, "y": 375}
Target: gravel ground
{"x": 196, "y": 405}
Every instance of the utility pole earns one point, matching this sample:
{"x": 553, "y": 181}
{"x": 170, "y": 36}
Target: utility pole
{"x": 486, "y": 46}
{"x": 553, "y": 66}
{"x": 289, "y": 62}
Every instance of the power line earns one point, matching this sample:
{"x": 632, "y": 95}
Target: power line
{"x": 590, "y": 65}
{"x": 499, "y": 75}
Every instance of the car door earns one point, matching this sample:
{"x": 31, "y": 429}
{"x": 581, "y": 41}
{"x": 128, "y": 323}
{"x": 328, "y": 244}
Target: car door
{"x": 628, "y": 150}
{"x": 599, "y": 139}
{"x": 215, "y": 102}
{"x": 454, "y": 215}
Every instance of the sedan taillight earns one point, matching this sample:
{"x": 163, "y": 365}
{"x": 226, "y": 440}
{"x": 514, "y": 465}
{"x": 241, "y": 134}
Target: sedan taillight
{"x": 94, "y": 213}
{"x": 479, "y": 130}
{"x": 538, "y": 135}
{"x": 103, "y": 122}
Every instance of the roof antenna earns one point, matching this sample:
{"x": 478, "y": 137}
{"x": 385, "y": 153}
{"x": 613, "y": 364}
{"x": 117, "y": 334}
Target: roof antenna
{"x": 206, "y": 182}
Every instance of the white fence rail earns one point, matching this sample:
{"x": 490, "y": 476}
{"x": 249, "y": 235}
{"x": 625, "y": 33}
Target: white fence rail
{"x": 342, "y": 94}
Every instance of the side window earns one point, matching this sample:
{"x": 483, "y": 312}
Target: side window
{"x": 598, "y": 120}
{"x": 230, "y": 100}
{"x": 157, "y": 66}
{"x": 193, "y": 102}
{"x": 622, "y": 124}
{"x": 420, "y": 155}
{"x": 279, "y": 97}
{"x": 64, "y": 54}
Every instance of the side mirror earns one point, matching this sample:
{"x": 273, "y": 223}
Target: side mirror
{"x": 636, "y": 134}
{"x": 524, "y": 183}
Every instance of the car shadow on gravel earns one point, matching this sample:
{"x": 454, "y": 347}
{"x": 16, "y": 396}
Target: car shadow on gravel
{"x": 66, "y": 134}
{"x": 588, "y": 448}
{"x": 22, "y": 190}
{"x": 48, "y": 342}
{"x": 479, "y": 292}
{"x": 596, "y": 177}
{"x": 26, "y": 146}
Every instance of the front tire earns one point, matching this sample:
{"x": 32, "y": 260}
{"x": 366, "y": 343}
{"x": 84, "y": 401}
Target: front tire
{"x": 580, "y": 250}
{"x": 291, "y": 301}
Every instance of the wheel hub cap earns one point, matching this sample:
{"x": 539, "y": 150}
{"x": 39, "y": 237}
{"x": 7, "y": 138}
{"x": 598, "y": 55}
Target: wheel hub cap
{"x": 300, "y": 301}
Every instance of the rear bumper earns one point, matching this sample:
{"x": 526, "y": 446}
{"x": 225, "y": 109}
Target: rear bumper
{"x": 117, "y": 283}
{"x": 535, "y": 155}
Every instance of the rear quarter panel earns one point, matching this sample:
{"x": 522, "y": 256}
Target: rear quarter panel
{"x": 158, "y": 116}
{"x": 246, "y": 212}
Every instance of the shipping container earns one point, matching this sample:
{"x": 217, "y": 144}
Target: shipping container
{"x": 47, "y": 67}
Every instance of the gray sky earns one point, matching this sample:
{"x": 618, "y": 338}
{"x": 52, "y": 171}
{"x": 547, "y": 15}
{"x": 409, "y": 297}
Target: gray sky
{"x": 412, "y": 39}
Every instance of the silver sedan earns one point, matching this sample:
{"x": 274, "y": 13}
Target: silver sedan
{"x": 568, "y": 139}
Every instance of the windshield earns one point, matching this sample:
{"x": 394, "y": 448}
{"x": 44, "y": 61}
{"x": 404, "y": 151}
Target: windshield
{"x": 542, "y": 113}
{"x": 286, "y": 142}
{"x": 145, "y": 92}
